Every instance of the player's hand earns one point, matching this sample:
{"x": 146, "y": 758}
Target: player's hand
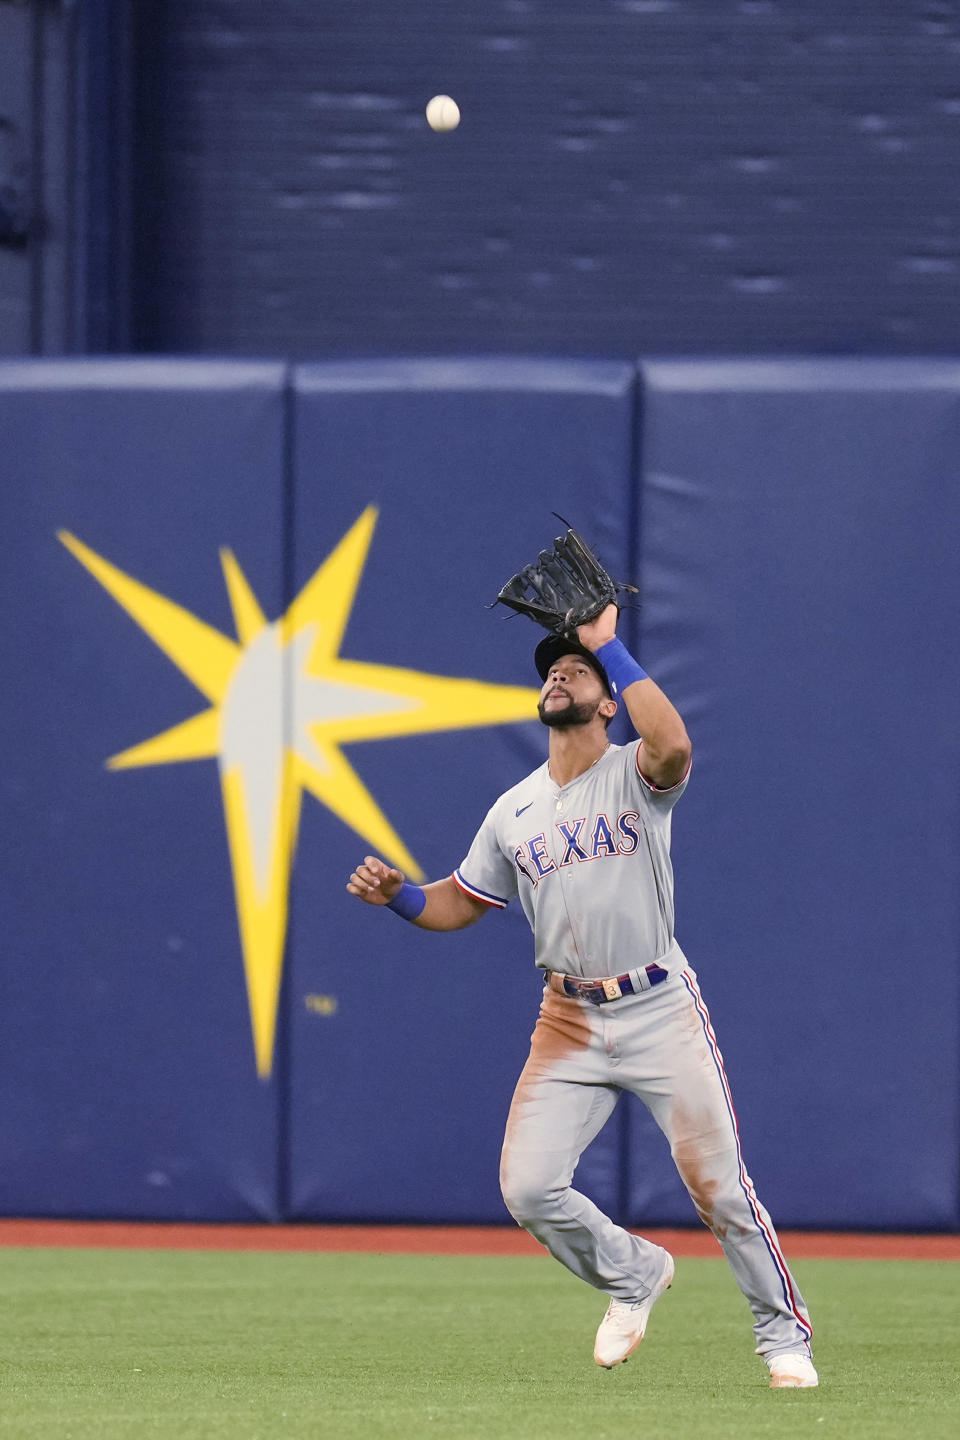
{"x": 600, "y": 630}
{"x": 375, "y": 882}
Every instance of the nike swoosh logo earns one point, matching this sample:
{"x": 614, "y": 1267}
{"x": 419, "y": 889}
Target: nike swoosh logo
{"x": 524, "y": 807}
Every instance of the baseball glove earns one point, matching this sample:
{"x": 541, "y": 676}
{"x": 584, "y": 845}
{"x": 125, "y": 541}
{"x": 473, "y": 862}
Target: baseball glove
{"x": 566, "y": 586}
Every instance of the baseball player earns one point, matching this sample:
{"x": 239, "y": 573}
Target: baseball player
{"x": 584, "y": 844}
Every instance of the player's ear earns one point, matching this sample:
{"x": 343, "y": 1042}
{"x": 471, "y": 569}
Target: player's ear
{"x": 608, "y": 708}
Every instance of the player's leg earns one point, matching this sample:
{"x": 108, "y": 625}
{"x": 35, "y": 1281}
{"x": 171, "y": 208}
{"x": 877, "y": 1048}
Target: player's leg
{"x": 563, "y": 1098}
{"x": 676, "y": 1067}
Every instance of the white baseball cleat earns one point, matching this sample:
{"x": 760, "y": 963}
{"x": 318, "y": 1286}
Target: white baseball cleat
{"x": 792, "y": 1371}
{"x": 624, "y": 1325}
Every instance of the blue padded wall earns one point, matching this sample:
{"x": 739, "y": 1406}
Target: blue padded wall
{"x": 794, "y": 526}
{"x": 398, "y": 1099}
{"x": 799, "y": 538}
{"x": 126, "y": 1053}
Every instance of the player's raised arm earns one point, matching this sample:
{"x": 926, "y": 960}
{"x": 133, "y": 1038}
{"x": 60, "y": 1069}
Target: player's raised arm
{"x": 665, "y": 753}
{"x": 438, "y": 906}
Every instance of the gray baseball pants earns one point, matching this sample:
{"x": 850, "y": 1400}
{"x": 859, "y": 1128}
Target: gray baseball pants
{"x": 659, "y": 1045}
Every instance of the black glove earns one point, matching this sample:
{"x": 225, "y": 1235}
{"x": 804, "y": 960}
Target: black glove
{"x": 566, "y": 587}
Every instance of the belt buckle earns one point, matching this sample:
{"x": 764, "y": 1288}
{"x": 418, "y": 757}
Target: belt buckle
{"x": 611, "y": 988}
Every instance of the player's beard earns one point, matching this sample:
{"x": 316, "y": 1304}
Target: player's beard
{"x": 570, "y": 715}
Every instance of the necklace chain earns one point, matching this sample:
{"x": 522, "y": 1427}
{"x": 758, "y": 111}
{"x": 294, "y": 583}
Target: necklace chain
{"x": 582, "y": 772}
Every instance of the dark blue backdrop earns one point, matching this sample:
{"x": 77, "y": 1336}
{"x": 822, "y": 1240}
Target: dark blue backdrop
{"x": 630, "y": 176}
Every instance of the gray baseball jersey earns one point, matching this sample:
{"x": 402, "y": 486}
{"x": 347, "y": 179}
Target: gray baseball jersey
{"x": 590, "y": 862}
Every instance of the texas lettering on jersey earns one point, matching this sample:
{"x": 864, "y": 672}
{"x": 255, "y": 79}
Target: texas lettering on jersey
{"x": 588, "y": 861}
{"x": 578, "y": 841}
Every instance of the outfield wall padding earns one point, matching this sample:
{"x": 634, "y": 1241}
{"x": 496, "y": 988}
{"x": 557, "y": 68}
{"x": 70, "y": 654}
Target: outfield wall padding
{"x": 794, "y": 528}
{"x": 398, "y": 1100}
{"x": 126, "y": 1056}
{"x": 801, "y": 601}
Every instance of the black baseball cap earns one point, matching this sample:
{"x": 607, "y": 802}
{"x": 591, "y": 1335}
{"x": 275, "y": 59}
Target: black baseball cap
{"x": 550, "y": 650}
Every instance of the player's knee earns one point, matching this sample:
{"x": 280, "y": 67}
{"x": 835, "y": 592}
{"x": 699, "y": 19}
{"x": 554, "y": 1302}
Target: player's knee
{"x": 724, "y": 1211}
{"x": 529, "y": 1193}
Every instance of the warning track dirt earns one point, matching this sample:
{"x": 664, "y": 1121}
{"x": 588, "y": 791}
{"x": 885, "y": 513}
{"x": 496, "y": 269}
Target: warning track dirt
{"x": 437, "y": 1239}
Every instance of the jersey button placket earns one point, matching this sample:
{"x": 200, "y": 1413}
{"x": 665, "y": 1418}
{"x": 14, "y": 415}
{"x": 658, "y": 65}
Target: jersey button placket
{"x": 566, "y": 876}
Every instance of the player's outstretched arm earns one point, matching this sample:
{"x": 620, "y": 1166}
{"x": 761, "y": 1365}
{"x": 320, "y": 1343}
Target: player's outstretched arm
{"x": 665, "y": 753}
{"x": 445, "y": 906}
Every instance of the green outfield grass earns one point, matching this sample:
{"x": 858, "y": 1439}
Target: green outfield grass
{"x": 99, "y": 1345}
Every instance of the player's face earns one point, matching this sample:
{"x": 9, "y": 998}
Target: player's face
{"x": 571, "y": 694}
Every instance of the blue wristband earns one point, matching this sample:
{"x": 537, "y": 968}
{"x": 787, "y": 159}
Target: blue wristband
{"x": 408, "y": 901}
{"x": 620, "y": 665}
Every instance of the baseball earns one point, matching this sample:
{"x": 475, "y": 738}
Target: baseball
{"x": 443, "y": 113}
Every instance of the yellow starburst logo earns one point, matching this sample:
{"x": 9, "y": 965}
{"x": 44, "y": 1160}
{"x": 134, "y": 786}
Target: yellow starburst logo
{"x": 281, "y": 704}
